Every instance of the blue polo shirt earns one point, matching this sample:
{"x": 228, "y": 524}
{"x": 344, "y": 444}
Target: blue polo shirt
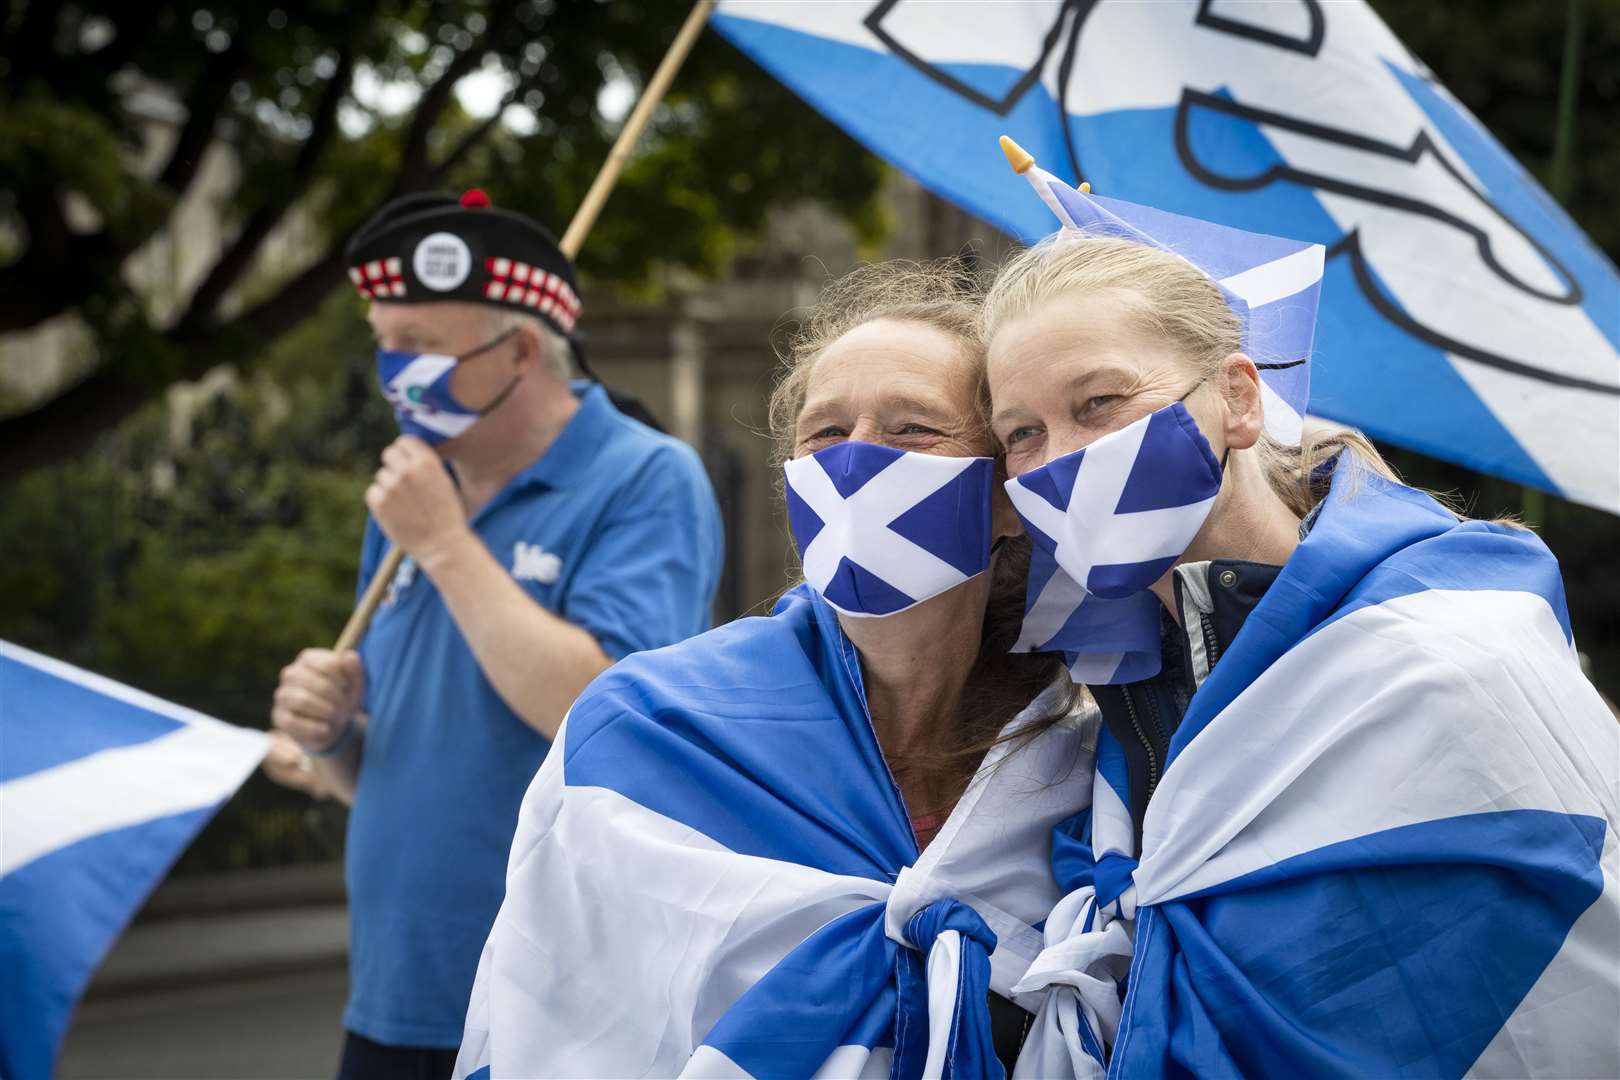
{"x": 615, "y": 529}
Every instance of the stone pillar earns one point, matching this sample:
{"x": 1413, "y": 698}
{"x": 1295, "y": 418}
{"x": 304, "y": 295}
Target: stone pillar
{"x": 686, "y": 379}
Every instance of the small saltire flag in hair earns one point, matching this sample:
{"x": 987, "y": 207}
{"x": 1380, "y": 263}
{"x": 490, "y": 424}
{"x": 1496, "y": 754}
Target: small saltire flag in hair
{"x": 1271, "y": 284}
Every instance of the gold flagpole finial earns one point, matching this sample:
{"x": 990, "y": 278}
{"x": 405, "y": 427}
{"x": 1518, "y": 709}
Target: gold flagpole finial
{"x": 1020, "y": 159}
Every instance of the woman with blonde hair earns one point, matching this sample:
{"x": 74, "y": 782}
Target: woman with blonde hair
{"x": 1355, "y": 804}
{"x": 816, "y": 843}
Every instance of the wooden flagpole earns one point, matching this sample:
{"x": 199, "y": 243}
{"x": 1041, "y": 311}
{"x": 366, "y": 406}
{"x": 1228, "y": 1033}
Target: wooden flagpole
{"x": 571, "y": 242}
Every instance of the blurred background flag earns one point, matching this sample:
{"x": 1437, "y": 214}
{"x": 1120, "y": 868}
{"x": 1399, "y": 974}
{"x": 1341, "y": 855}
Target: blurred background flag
{"x": 101, "y": 788}
{"x": 1463, "y": 313}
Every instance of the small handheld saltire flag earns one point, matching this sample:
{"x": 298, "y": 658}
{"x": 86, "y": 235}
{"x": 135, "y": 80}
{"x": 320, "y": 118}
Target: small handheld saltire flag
{"x": 101, "y": 788}
{"x": 1464, "y": 314}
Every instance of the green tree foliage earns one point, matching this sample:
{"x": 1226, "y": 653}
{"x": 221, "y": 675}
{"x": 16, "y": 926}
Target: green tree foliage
{"x": 196, "y": 568}
{"x": 280, "y": 86}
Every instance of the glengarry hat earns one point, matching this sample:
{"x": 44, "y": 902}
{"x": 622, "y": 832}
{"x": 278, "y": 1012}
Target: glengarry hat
{"x": 425, "y": 248}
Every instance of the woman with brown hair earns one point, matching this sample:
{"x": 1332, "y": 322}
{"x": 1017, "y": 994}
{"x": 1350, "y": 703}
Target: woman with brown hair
{"x": 816, "y": 843}
{"x": 1356, "y": 805}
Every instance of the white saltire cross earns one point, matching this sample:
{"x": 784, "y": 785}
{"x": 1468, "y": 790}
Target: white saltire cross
{"x": 1140, "y": 536}
{"x": 884, "y": 553}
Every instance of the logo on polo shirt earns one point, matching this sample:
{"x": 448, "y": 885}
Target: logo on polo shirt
{"x": 531, "y": 562}
{"x": 402, "y": 580}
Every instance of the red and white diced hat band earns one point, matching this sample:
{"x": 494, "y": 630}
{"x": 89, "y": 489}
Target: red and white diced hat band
{"x": 428, "y": 248}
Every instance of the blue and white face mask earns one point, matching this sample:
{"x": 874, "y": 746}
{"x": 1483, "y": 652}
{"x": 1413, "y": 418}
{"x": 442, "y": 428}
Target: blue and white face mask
{"x": 417, "y": 385}
{"x": 1116, "y": 515}
{"x": 881, "y": 530}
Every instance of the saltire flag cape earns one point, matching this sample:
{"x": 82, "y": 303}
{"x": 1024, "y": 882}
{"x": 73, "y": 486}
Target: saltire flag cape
{"x": 101, "y": 788}
{"x": 1384, "y": 844}
{"x": 1465, "y": 315}
{"x": 714, "y": 875}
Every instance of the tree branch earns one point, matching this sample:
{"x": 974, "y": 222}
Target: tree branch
{"x": 69, "y": 422}
{"x": 206, "y": 101}
{"x": 29, "y": 47}
{"x": 230, "y": 266}
{"x": 64, "y": 425}
{"x": 59, "y": 269}
{"x": 415, "y": 170}
{"x": 478, "y": 133}
{"x": 34, "y": 289}
{"x": 130, "y": 33}
{"x": 269, "y": 319}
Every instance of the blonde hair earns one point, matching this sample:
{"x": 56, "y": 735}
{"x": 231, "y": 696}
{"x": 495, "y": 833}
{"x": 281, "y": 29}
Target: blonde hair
{"x": 942, "y": 293}
{"x": 1169, "y": 297}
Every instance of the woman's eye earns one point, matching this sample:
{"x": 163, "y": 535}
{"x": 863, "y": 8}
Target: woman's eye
{"x": 1018, "y": 435}
{"x": 916, "y": 429}
{"x": 1099, "y": 403}
{"x": 826, "y": 434}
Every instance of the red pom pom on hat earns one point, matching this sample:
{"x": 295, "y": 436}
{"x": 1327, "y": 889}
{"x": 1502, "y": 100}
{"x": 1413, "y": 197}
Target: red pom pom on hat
{"x": 475, "y": 199}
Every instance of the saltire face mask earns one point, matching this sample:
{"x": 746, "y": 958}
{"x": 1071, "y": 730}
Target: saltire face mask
{"x": 417, "y": 385}
{"x": 880, "y": 530}
{"x": 1087, "y": 584}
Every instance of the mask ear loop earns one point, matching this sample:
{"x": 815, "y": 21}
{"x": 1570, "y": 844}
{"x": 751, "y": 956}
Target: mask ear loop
{"x": 500, "y": 397}
{"x": 511, "y": 384}
{"x": 1227, "y": 452}
{"x": 488, "y": 345}
{"x": 1190, "y": 390}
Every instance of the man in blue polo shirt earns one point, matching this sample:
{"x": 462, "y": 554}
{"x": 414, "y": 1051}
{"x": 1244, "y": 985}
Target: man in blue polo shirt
{"x": 546, "y": 535}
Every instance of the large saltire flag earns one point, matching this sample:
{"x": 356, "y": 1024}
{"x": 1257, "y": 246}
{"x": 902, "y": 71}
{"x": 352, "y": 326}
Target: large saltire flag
{"x": 1463, "y": 313}
{"x": 101, "y": 788}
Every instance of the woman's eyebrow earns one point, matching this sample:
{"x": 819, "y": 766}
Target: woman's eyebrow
{"x": 816, "y": 413}
{"x": 937, "y": 410}
{"x": 1075, "y": 385}
{"x": 907, "y": 403}
{"x": 1004, "y": 416}
{"x": 1106, "y": 371}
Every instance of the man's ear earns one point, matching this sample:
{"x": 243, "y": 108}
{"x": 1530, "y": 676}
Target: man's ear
{"x": 1245, "y": 411}
{"x": 530, "y": 351}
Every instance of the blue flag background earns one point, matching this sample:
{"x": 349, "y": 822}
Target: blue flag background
{"x": 1463, "y": 313}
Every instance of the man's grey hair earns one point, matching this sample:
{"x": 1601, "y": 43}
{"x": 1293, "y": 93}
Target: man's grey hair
{"x": 554, "y": 347}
